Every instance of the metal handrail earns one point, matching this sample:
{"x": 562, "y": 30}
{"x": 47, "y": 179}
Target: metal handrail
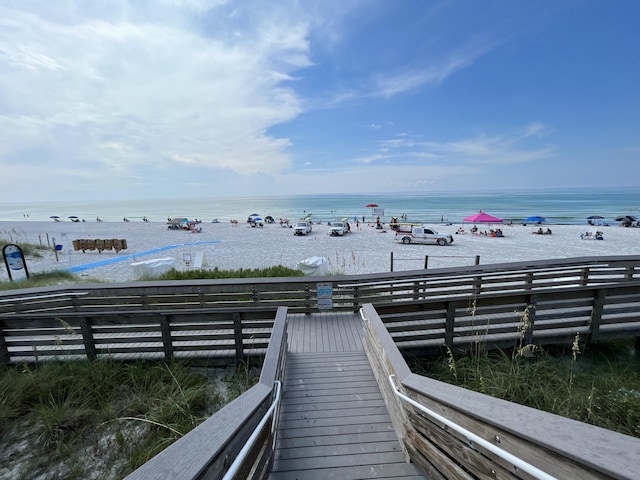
{"x": 235, "y": 466}
{"x": 473, "y": 438}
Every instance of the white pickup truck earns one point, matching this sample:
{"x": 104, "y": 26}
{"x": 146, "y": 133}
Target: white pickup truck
{"x": 423, "y": 234}
{"x": 302, "y": 228}
{"x": 338, "y": 229}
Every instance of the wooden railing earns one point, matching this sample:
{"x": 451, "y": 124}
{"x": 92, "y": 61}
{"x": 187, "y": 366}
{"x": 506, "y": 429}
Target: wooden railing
{"x": 127, "y": 334}
{"x": 209, "y": 450}
{"x": 507, "y": 320}
{"x": 299, "y": 294}
{"x": 560, "y": 447}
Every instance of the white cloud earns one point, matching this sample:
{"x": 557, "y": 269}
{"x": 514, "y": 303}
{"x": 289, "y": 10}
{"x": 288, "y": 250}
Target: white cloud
{"x": 125, "y": 94}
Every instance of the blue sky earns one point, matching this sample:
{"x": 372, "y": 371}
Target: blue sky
{"x": 191, "y": 98}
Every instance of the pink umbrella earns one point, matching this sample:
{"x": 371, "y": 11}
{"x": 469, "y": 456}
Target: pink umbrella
{"x": 483, "y": 218}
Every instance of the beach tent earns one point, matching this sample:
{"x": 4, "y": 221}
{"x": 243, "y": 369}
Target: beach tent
{"x": 314, "y": 266}
{"x": 534, "y": 219}
{"x": 482, "y": 217}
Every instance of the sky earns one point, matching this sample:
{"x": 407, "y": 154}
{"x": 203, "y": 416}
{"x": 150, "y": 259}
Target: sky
{"x": 145, "y": 99}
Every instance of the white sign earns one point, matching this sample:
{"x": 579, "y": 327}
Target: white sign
{"x": 13, "y": 257}
{"x": 325, "y": 296}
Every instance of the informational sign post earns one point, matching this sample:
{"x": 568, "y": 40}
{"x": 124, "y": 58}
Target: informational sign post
{"x": 325, "y": 296}
{"x": 14, "y": 259}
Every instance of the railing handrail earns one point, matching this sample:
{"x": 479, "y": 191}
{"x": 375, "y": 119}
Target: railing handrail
{"x": 473, "y": 438}
{"x": 237, "y": 463}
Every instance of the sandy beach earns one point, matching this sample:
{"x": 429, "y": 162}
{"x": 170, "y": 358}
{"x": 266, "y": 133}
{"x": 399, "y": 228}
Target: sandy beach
{"x": 364, "y": 250}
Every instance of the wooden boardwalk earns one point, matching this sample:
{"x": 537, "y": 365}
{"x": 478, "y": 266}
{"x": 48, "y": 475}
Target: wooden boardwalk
{"x": 333, "y": 421}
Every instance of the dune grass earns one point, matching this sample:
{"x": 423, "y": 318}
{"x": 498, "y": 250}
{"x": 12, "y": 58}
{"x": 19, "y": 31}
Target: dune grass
{"x": 599, "y": 385}
{"x": 216, "y": 273}
{"x": 104, "y": 417}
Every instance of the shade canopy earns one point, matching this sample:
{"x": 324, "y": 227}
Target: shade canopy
{"x": 483, "y": 217}
{"x": 372, "y": 205}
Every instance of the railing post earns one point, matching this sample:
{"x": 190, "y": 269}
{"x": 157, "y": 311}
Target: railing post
{"x": 391, "y": 262}
{"x": 450, "y": 322}
{"x": 356, "y": 299}
{"x": 167, "y": 343}
{"x": 477, "y": 260}
{"x": 628, "y": 274}
{"x": 528, "y": 282}
{"x": 307, "y": 299}
{"x": 254, "y": 293}
{"x": 596, "y": 314}
{"x": 530, "y": 311}
{"x": 426, "y": 261}
{"x": 4, "y": 351}
{"x": 584, "y": 277}
{"x": 237, "y": 334}
{"x": 87, "y": 338}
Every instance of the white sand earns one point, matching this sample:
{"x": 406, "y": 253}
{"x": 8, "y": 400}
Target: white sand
{"x": 362, "y": 251}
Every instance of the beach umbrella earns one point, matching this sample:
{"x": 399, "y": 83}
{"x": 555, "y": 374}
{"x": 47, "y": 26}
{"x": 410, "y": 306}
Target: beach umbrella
{"x": 72, "y": 216}
{"x": 372, "y": 205}
{"x": 54, "y": 216}
{"x": 625, "y": 218}
{"x": 595, "y": 217}
{"x": 482, "y": 217}
{"x": 534, "y": 219}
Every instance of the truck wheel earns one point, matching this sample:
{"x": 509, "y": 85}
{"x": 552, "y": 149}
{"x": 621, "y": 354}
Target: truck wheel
{"x": 442, "y": 242}
{"x": 406, "y": 240}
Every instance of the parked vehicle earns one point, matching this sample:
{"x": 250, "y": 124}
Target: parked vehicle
{"x": 302, "y": 228}
{"x": 338, "y": 229}
{"x": 423, "y": 234}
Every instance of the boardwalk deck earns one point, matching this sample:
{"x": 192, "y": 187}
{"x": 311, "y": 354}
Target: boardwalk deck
{"x": 333, "y": 420}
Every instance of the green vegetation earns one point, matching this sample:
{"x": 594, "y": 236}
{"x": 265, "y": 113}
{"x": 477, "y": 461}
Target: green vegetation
{"x": 215, "y": 273}
{"x": 599, "y": 385}
{"x": 54, "y": 277}
{"x": 79, "y": 418}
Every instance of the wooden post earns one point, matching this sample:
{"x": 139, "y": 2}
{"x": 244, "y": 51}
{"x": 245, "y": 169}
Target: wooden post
{"x": 449, "y": 325}
{"x": 87, "y": 338}
{"x": 391, "y": 262}
{"x": 426, "y": 261}
{"x": 237, "y": 333}
{"x": 356, "y": 302}
{"x": 628, "y": 274}
{"x": 307, "y": 299}
{"x": 531, "y": 320}
{"x": 4, "y": 351}
{"x": 167, "y": 343}
{"x": 596, "y": 314}
{"x": 528, "y": 282}
{"x": 584, "y": 277}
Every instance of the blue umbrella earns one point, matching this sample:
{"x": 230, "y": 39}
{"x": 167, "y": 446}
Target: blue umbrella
{"x": 534, "y": 219}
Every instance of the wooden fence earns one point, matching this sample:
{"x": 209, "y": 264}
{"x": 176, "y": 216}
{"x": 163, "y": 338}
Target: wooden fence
{"x": 209, "y": 450}
{"x": 299, "y": 294}
{"x": 557, "y": 446}
{"x": 509, "y": 319}
{"x": 127, "y": 334}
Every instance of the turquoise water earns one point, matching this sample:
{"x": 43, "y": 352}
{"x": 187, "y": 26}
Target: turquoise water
{"x": 569, "y": 207}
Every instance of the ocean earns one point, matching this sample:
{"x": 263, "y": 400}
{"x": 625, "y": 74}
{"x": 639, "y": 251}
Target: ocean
{"x": 571, "y": 206}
